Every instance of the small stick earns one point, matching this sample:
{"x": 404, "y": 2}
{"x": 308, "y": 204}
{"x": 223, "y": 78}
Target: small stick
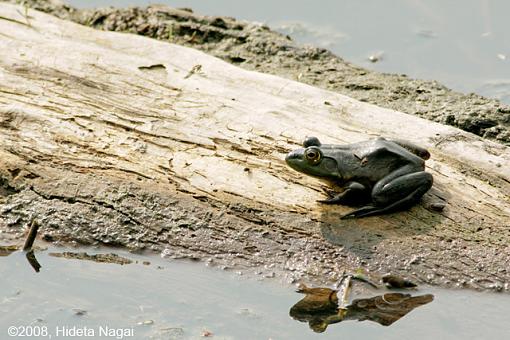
{"x": 362, "y": 278}
{"x": 32, "y": 234}
{"x": 32, "y": 260}
{"x": 346, "y": 293}
{"x": 344, "y": 285}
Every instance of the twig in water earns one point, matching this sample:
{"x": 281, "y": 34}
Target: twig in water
{"x": 32, "y": 234}
{"x": 346, "y": 291}
{"x": 29, "y": 242}
{"x": 32, "y": 260}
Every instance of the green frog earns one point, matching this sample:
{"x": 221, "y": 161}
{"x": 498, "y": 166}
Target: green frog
{"x": 381, "y": 175}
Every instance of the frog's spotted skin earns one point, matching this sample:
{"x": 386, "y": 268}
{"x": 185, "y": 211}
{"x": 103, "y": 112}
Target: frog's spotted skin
{"x": 386, "y": 175}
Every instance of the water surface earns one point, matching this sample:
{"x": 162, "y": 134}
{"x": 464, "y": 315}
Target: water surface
{"x": 464, "y": 44}
{"x": 182, "y": 300}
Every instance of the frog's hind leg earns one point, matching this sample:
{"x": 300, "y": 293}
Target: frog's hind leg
{"x": 417, "y": 150}
{"x": 398, "y": 194}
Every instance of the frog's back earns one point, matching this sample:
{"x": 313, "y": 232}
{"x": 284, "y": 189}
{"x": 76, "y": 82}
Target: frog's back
{"x": 371, "y": 160}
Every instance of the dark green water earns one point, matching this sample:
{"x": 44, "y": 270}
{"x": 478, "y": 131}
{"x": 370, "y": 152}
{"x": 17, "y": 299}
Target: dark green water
{"x": 182, "y": 300}
{"x": 464, "y": 44}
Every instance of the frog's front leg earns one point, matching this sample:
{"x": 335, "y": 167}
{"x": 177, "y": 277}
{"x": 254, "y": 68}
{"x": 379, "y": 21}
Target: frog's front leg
{"x": 354, "y": 194}
{"x": 398, "y": 190}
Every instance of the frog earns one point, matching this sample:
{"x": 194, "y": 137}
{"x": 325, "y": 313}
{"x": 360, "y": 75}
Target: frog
{"x": 377, "y": 176}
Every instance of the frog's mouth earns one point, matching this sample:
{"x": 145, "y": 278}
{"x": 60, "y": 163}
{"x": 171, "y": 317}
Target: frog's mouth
{"x": 295, "y": 159}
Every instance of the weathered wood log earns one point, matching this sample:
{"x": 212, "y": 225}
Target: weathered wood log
{"x": 120, "y": 139}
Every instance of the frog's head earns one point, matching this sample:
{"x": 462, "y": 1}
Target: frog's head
{"x": 313, "y": 160}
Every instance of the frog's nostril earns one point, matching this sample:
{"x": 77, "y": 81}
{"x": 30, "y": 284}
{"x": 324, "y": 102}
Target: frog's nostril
{"x": 291, "y": 155}
{"x": 295, "y": 158}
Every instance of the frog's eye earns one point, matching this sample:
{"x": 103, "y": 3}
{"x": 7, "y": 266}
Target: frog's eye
{"x": 313, "y": 155}
{"x": 311, "y": 141}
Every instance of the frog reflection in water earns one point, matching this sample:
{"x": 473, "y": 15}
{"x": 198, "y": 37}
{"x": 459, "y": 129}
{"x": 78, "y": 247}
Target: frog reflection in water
{"x": 386, "y": 175}
{"x": 320, "y": 307}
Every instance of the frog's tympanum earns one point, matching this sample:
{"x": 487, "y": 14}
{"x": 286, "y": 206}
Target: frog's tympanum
{"x": 383, "y": 175}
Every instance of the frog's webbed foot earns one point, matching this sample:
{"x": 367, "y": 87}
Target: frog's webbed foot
{"x": 354, "y": 193}
{"x": 329, "y": 192}
{"x": 395, "y": 194}
{"x": 368, "y": 210}
{"x": 371, "y": 210}
{"x": 332, "y": 200}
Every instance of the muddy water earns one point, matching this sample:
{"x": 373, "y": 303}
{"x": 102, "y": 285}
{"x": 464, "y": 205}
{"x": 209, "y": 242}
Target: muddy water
{"x": 462, "y": 44}
{"x": 182, "y": 300}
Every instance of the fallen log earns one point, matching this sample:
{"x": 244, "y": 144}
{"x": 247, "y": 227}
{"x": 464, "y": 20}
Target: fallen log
{"x": 119, "y": 139}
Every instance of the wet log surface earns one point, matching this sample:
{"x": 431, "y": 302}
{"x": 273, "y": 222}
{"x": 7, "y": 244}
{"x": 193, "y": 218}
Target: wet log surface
{"x": 111, "y": 138}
